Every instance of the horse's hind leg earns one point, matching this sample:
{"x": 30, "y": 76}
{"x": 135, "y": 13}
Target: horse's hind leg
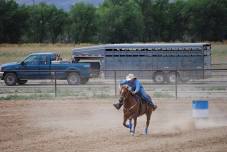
{"x": 147, "y": 123}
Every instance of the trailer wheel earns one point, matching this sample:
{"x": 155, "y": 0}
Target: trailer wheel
{"x": 171, "y": 77}
{"x": 185, "y": 79}
{"x": 10, "y": 79}
{"x": 73, "y": 78}
{"x": 159, "y": 77}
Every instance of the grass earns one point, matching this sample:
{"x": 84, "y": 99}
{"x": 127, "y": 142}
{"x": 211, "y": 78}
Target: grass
{"x": 27, "y": 97}
{"x": 219, "y": 53}
{"x": 15, "y": 52}
{"x": 46, "y": 96}
{"x": 162, "y": 95}
{"x": 215, "y": 88}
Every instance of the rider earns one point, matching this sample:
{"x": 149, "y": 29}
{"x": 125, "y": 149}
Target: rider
{"x": 137, "y": 88}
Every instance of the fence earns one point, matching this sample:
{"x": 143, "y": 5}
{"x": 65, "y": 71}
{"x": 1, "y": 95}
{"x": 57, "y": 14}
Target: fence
{"x": 209, "y": 83}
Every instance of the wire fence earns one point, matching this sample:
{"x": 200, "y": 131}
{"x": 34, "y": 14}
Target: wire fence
{"x": 196, "y": 83}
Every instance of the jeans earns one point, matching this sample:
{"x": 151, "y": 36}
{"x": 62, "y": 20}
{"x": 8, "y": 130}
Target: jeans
{"x": 145, "y": 97}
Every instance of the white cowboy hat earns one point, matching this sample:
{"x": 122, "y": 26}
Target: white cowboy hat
{"x": 130, "y": 76}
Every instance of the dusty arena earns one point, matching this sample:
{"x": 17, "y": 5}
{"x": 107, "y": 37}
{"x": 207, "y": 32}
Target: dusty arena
{"x": 94, "y": 125}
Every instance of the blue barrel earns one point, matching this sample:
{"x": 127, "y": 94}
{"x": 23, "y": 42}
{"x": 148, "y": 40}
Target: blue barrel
{"x": 200, "y": 109}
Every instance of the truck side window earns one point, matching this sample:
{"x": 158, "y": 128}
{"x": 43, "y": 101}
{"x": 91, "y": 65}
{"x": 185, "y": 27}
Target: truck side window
{"x": 43, "y": 59}
{"x": 32, "y": 60}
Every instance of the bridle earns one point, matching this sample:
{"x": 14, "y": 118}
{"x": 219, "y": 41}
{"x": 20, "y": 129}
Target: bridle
{"x": 125, "y": 96}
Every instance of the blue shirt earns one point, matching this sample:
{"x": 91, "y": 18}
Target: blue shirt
{"x": 135, "y": 85}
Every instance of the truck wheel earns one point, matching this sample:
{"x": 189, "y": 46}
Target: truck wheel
{"x": 22, "y": 82}
{"x": 171, "y": 77}
{"x": 159, "y": 77}
{"x": 84, "y": 80}
{"x": 10, "y": 79}
{"x": 73, "y": 78}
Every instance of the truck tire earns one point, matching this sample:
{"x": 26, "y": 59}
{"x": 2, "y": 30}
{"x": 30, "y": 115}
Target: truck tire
{"x": 10, "y": 79}
{"x": 22, "y": 82}
{"x": 171, "y": 77}
{"x": 159, "y": 77}
{"x": 73, "y": 78}
{"x": 84, "y": 80}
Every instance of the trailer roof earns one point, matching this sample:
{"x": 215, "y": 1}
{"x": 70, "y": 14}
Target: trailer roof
{"x": 99, "y": 50}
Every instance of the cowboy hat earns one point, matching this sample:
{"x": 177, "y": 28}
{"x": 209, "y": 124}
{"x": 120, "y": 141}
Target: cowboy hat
{"x": 130, "y": 77}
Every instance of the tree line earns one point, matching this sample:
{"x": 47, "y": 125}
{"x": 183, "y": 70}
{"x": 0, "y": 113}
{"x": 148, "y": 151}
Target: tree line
{"x": 115, "y": 21}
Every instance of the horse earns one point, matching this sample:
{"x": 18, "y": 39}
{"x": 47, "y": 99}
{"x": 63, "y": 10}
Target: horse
{"x": 132, "y": 108}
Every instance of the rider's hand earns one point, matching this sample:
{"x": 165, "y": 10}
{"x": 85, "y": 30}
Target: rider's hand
{"x": 133, "y": 92}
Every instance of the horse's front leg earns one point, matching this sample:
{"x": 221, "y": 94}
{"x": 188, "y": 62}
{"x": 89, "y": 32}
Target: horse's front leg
{"x": 124, "y": 122}
{"x": 130, "y": 125}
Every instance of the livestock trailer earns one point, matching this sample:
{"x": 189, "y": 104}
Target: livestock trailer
{"x": 156, "y": 61}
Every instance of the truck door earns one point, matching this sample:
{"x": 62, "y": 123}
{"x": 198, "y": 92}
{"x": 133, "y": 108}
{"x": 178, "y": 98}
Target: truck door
{"x": 29, "y": 68}
{"x": 44, "y": 67}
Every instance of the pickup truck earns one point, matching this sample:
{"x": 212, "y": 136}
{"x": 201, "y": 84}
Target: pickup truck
{"x": 44, "y": 66}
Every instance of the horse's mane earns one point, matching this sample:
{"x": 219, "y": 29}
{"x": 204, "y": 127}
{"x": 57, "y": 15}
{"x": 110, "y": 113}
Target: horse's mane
{"x": 128, "y": 88}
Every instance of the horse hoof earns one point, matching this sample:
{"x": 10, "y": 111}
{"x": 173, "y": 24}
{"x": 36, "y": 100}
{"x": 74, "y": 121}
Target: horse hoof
{"x": 145, "y": 131}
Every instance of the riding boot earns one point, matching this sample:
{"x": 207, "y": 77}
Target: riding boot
{"x": 152, "y": 105}
{"x": 119, "y": 104}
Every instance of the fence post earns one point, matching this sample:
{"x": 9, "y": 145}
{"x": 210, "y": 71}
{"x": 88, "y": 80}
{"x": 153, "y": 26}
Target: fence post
{"x": 115, "y": 83}
{"x": 55, "y": 84}
{"x": 176, "y": 84}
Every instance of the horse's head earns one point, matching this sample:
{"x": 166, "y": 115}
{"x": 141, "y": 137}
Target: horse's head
{"x": 125, "y": 91}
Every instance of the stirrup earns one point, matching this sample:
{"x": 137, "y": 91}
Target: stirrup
{"x": 117, "y": 105}
{"x": 155, "y": 107}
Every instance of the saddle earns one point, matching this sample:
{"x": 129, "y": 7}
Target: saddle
{"x": 139, "y": 99}
{"x": 141, "y": 102}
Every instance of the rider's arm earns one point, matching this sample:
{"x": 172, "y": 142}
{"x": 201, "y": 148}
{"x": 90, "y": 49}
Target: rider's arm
{"x": 137, "y": 86}
{"x": 123, "y": 82}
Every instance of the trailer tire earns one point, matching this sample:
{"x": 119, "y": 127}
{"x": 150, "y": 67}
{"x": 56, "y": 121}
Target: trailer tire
{"x": 171, "y": 77}
{"x": 73, "y": 78}
{"x": 185, "y": 79}
{"x": 159, "y": 77}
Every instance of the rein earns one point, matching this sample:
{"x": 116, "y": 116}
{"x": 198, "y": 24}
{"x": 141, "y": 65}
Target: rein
{"x": 128, "y": 109}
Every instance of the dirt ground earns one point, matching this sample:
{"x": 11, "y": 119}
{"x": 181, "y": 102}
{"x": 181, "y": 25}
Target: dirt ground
{"x": 94, "y": 125}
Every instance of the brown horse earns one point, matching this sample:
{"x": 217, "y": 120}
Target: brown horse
{"x": 133, "y": 109}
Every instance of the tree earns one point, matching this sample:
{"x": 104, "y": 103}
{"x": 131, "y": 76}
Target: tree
{"x": 12, "y": 21}
{"x": 207, "y": 19}
{"x": 120, "y": 21}
{"x": 46, "y": 23}
{"x": 146, "y": 10}
{"x": 160, "y": 20}
{"x": 83, "y": 19}
{"x": 56, "y": 23}
{"x": 177, "y": 22}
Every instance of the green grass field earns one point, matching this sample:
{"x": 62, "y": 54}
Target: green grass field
{"x": 219, "y": 53}
{"x": 15, "y": 52}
